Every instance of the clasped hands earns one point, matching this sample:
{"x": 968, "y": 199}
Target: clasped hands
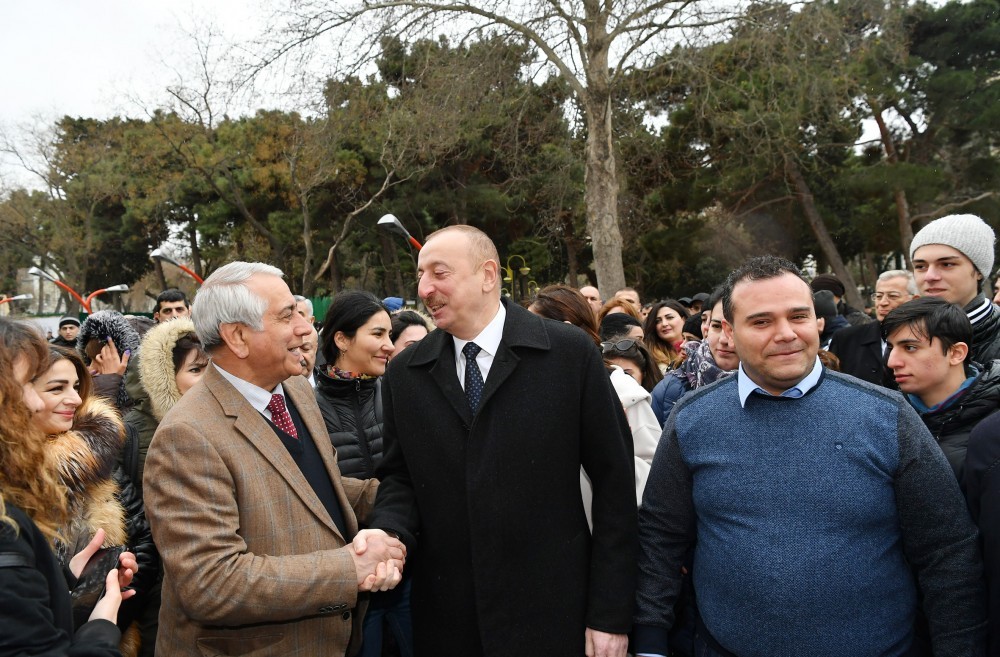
{"x": 378, "y": 560}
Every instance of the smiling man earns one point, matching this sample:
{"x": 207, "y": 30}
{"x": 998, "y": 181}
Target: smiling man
{"x": 929, "y": 358}
{"x": 243, "y": 493}
{"x": 814, "y": 503}
{"x": 488, "y": 421}
{"x": 951, "y": 257}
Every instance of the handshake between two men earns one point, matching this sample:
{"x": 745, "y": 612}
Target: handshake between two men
{"x": 378, "y": 559}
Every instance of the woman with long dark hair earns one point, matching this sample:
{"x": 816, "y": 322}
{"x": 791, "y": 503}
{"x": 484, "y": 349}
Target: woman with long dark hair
{"x": 35, "y": 610}
{"x": 84, "y": 437}
{"x": 663, "y": 333}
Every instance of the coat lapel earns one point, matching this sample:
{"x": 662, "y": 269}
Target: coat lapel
{"x": 521, "y": 329}
{"x": 259, "y": 433}
{"x": 305, "y": 402}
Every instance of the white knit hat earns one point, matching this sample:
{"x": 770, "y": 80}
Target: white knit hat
{"x": 966, "y": 233}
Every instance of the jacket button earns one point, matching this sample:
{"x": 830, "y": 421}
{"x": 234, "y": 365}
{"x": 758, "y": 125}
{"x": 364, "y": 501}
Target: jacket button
{"x": 346, "y": 615}
{"x": 325, "y": 610}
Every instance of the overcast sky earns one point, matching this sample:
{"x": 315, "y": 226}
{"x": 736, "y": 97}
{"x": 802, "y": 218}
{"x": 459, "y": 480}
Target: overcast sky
{"x": 90, "y": 58}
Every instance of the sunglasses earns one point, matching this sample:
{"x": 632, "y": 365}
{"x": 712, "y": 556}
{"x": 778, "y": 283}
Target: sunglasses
{"x": 622, "y": 346}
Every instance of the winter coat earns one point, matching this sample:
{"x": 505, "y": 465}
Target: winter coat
{"x": 101, "y": 497}
{"x": 35, "y": 613}
{"x": 352, "y": 413}
{"x": 102, "y": 325}
{"x": 951, "y": 426}
{"x": 151, "y": 384}
{"x": 985, "y": 333}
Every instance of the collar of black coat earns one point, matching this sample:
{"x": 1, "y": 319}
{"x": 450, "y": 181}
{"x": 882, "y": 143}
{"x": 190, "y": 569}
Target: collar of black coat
{"x": 521, "y": 329}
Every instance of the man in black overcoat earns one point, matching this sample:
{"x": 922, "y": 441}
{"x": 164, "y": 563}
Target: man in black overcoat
{"x": 481, "y": 472}
{"x": 861, "y": 349}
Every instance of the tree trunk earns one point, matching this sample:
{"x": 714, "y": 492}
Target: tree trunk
{"x": 601, "y": 197}
{"x": 898, "y": 193}
{"x": 307, "y": 261}
{"x": 160, "y": 278}
{"x": 818, "y": 226}
{"x": 196, "y": 265}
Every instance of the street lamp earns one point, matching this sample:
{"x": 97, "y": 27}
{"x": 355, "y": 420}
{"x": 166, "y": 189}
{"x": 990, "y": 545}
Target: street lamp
{"x": 20, "y": 297}
{"x": 390, "y": 223}
{"x": 158, "y": 254}
{"x": 121, "y": 287}
{"x": 35, "y": 271}
{"x": 510, "y": 275}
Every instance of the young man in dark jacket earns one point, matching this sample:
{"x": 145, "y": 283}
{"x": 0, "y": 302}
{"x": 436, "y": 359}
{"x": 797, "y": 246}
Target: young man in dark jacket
{"x": 930, "y": 359}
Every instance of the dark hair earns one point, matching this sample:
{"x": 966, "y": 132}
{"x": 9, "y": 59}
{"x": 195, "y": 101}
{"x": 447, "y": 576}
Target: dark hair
{"x": 403, "y": 320}
{"x": 565, "y": 304}
{"x": 755, "y": 269}
{"x": 714, "y": 298}
{"x": 636, "y": 353}
{"x": 929, "y": 318}
{"x": 661, "y": 351}
{"x": 348, "y": 312}
{"x": 185, "y": 345}
{"x": 170, "y": 295}
{"x": 57, "y": 354}
{"x": 617, "y": 324}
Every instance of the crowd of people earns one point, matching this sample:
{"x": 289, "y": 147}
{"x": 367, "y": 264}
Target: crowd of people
{"x": 758, "y": 471}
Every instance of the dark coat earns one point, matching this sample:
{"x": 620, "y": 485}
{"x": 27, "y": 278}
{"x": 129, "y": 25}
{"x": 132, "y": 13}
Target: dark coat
{"x": 859, "y": 349}
{"x": 355, "y": 429}
{"x": 982, "y": 491}
{"x": 35, "y": 614}
{"x": 985, "y": 333}
{"x": 503, "y": 562}
{"x": 952, "y": 426}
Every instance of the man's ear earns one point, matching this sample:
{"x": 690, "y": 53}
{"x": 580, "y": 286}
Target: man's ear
{"x": 727, "y": 329}
{"x": 957, "y": 353}
{"x": 491, "y": 275}
{"x": 821, "y": 324}
{"x": 234, "y": 335}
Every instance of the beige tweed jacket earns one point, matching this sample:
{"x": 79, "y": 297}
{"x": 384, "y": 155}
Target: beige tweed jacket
{"x": 253, "y": 563}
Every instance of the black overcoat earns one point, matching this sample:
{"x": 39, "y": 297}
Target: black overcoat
{"x": 859, "y": 349}
{"x": 503, "y": 562}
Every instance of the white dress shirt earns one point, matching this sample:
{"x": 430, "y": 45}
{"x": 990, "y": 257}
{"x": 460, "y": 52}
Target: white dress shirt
{"x": 257, "y": 396}
{"x": 488, "y": 341}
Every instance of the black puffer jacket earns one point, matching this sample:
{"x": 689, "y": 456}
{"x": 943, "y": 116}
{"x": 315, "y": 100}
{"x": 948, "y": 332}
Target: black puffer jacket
{"x": 951, "y": 427}
{"x": 352, "y": 412}
{"x": 985, "y": 333}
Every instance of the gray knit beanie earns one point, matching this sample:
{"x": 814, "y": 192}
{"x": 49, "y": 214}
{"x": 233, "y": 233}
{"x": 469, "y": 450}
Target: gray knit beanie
{"x": 966, "y": 233}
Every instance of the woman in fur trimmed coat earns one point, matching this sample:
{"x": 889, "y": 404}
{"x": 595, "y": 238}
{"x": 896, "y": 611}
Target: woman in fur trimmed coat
{"x": 169, "y": 362}
{"x": 86, "y": 436}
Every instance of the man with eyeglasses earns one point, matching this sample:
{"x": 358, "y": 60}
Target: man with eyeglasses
{"x": 862, "y": 349}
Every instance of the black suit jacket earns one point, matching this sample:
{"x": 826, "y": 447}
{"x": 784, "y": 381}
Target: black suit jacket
{"x": 503, "y": 562}
{"x": 859, "y": 349}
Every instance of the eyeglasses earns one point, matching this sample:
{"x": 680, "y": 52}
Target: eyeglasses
{"x": 622, "y": 346}
{"x": 891, "y": 296}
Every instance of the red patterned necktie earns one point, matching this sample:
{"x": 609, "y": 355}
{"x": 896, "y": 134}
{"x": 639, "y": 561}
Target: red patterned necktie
{"x": 280, "y": 416}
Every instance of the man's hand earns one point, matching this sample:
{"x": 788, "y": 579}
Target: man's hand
{"x": 378, "y": 560}
{"x": 602, "y": 644}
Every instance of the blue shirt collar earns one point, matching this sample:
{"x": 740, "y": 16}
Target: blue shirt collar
{"x": 747, "y": 386}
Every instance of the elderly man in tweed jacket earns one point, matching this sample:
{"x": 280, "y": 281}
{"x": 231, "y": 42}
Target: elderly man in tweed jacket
{"x": 244, "y": 496}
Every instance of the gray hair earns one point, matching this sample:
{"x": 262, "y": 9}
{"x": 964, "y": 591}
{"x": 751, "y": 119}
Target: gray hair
{"x": 911, "y": 284}
{"x": 309, "y": 304}
{"x": 225, "y": 298}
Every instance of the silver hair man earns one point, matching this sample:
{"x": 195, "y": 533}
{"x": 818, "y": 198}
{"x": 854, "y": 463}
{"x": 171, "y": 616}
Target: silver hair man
{"x": 225, "y": 298}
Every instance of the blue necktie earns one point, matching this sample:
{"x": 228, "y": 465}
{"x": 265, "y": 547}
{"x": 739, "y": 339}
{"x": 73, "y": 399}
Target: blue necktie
{"x": 473, "y": 377}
